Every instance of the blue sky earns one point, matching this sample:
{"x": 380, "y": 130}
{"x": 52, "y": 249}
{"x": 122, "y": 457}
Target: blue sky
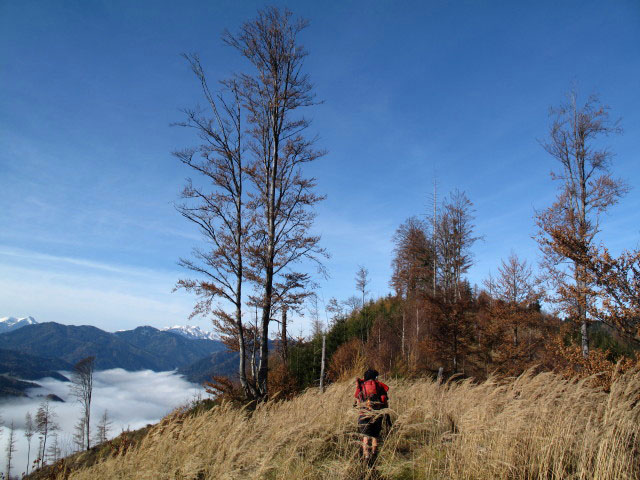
{"x": 412, "y": 90}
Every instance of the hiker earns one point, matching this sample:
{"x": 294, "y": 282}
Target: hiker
{"x": 370, "y": 395}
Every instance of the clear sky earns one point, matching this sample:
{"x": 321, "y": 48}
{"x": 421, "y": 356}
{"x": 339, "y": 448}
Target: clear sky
{"x": 412, "y": 90}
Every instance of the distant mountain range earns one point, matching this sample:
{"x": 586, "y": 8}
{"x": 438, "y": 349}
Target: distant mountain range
{"x": 37, "y": 350}
{"x": 8, "y": 324}
{"x": 190, "y": 331}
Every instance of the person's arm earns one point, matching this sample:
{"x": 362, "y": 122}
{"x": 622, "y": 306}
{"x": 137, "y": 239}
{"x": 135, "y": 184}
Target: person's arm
{"x": 384, "y": 395}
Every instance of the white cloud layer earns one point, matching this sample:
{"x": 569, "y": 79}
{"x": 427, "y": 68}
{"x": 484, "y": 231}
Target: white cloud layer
{"x": 132, "y": 400}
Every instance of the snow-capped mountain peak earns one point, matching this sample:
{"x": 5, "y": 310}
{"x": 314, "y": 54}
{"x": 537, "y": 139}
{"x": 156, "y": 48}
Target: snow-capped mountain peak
{"x": 192, "y": 332}
{"x": 13, "y": 323}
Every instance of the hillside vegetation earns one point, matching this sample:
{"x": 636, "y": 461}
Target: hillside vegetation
{"x": 531, "y": 427}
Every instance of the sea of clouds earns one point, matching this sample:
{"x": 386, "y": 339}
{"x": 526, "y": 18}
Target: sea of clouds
{"x": 131, "y": 399}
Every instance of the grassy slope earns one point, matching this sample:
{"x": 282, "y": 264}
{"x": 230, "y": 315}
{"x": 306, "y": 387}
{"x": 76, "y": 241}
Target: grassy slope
{"x": 534, "y": 427}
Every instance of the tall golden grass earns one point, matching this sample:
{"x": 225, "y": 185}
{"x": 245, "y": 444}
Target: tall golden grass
{"x": 532, "y": 427}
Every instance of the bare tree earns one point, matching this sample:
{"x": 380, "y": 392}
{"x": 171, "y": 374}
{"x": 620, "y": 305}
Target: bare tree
{"x": 219, "y": 210}
{"x": 45, "y": 425}
{"x": 29, "y": 430}
{"x": 362, "y": 282}
{"x": 352, "y": 304}
{"x": 587, "y": 189}
{"x": 516, "y": 287}
{"x": 82, "y": 389}
{"x": 54, "y": 451}
{"x": 11, "y": 448}
{"x": 282, "y": 197}
{"x": 79, "y": 435}
{"x": 103, "y": 428}
{"x": 335, "y": 309}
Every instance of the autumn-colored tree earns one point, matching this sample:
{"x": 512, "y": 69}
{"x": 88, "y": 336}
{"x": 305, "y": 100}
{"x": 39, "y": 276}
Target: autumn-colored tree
{"x": 452, "y": 329}
{"x": 218, "y": 209}
{"x": 412, "y": 263}
{"x": 282, "y": 198}
{"x": 454, "y": 238}
{"x": 515, "y": 288}
{"x": 567, "y": 228}
{"x": 617, "y": 287}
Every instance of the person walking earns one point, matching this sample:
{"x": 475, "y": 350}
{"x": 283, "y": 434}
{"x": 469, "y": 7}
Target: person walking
{"x": 371, "y": 395}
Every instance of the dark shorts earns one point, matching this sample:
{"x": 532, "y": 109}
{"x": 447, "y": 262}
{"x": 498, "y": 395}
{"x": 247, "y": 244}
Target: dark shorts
{"x": 370, "y": 425}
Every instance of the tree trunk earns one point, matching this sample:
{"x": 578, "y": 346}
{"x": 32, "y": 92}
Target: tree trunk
{"x": 403, "y": 335}
{"x": 324, "y": 340}
{"x": 285, "y": 353}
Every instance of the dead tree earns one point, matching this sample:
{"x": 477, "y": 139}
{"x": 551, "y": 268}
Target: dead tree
{"x": 29, "y": 430}
{"x": 362, "y": 282}
{"x": 103, "y": 428}
{"x": 82, "y": 390}
{"x": 11, "y": 448}
{"x": 45, "y": 425}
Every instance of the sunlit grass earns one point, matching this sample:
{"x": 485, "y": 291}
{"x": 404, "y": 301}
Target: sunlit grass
{"x": 533, "y": 427}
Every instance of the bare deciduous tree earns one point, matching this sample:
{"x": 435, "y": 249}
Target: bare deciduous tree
{"x": 54, "y": 452}
{"x": 11, "y": 448}
{"x": 587, "y": 189}
{"x": 335, "y": 309}
{"x": 29, "y": 430}
{"x": 362, "y": 282}
{"x": 219, "y": 211}
{"x": 352, "y": 304}
{"x": 515, "y": 286}
{"x": 45, "y": 425}
{"x": 79, "y": 435}
{"x": 282, "y": 197}
{"x": 103, "y": 428}
{"x": 82, "y": 389}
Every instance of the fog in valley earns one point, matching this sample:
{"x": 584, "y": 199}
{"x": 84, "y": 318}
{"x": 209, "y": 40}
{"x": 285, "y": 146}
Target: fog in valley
{"x": 132, "y": 400}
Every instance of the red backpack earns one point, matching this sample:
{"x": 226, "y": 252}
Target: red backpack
{"x": 372, "y": 393}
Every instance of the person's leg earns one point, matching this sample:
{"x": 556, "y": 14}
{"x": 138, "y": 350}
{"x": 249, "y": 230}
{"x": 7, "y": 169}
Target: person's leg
{"x": 365, "y": 446}
{"x": 374, "y": 446}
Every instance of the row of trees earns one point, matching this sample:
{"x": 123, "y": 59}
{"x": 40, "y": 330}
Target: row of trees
{"x": 254, "y": 207}
{"x": 44, "y": 422}
{"x": 437, "y": 320}
{"x": 49, "y": 449}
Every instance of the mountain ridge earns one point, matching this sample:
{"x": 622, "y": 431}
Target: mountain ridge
{"x": 8, "y": 324}
{"x": 42, "y": 349}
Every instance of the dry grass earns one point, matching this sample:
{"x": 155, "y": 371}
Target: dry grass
{"x": 533, "y": 427}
